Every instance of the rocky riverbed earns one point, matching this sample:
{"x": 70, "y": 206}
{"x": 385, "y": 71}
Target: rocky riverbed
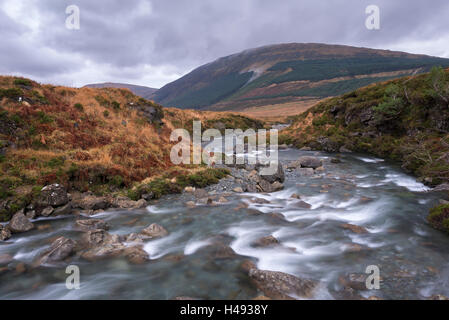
{"x": 307, "y": 232}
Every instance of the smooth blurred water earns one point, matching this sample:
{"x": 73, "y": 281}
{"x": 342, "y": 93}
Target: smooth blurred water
{"x": 362, "y": 190}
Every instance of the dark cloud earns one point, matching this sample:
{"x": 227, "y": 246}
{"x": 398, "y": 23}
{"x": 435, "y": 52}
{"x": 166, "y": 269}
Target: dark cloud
{"x": 153, "y": 42}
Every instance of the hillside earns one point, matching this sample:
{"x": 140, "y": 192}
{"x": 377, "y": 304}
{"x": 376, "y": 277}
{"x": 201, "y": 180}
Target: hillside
{"x": 141, "y": 91}
{"x": 405, "y": 120}
{"x": 288, "y": 73}
{"x": 105, "y": 141}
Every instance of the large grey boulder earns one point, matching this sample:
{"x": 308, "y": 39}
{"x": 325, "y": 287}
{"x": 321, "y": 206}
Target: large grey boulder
{"x": 60, "y": 249}
{"x": 53, "y": 195}
{"x": 20, "y": 223}
{"x": 309, "y": 162}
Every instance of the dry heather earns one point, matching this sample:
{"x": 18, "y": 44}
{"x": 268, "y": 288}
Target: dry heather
{"x": 102, "y": 140}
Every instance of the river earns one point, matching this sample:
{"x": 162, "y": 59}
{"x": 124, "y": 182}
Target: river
{"x": 413, "y": 258}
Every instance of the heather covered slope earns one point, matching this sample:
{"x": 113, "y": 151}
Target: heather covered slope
{"x": 141, "y": 91}
{"x": 99, "y": 140}
{"x": 405, "y": 120}
{"x": 285, "y": 73}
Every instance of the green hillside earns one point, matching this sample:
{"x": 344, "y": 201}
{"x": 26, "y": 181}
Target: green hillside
{"x": 288, "y": 71}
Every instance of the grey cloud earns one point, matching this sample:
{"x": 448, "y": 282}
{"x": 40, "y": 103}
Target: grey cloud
{"x": 120, "y": 38}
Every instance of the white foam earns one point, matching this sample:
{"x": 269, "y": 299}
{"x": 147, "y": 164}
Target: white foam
{"x": 193, "y": 246}
{"x": 402, "y": 180}
{"x": 160, "y": 247}
{"x": 370, "y": 160}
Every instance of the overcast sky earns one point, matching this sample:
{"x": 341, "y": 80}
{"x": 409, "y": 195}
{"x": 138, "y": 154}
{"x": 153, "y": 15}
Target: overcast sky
{"x": 153, "y": 42}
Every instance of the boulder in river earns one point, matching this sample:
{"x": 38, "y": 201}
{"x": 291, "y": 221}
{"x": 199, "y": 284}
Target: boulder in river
{"x": 53, "y": 195}
{"x": 60, "y": 249}
{"x": 154, "y": 231}
{"x": 282, "y": 286}
{"x": 266, "y": 241}
{"x": 279, "y": 175}
{"x": 91, "y": 224}
{"x": 309, "y": 162}
{"x": 20, "y": 223}
{"x": 354, "y": 228}
{"x": 90, "y": 202}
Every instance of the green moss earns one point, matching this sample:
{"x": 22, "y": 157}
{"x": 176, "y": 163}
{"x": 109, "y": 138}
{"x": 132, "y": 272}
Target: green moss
{"x": 79, "y": 106}
{"x": 439, "y": 217}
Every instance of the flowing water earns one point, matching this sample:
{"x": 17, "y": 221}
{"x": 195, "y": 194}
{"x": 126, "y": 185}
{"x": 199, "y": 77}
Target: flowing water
{"x": 362, "y": 190}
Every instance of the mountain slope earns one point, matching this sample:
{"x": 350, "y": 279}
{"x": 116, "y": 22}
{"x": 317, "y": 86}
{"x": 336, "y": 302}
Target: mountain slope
{"x": 141, "y": 91}
{"x": 284, "y": 73}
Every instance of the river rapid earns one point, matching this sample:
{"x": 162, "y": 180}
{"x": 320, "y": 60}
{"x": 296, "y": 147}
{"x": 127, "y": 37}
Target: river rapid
{"x": 413, "y": 258}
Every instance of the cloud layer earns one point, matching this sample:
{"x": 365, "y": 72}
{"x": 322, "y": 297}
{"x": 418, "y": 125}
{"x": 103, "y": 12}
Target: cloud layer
{"x": 154, "y": 42}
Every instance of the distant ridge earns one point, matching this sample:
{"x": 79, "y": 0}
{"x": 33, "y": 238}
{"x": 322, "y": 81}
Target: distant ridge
{"x": 142, "y": 91}
{"x": 274, "y": 75}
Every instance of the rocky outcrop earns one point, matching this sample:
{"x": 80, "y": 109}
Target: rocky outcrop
{"x": 20, "y": 223}
{"x": 282, "y": 286}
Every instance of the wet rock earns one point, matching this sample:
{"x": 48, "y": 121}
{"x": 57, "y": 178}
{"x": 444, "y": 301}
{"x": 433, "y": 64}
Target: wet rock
{"x": 126, "y": 203}
{"x": 20, "y": 268}
{"x": 238, "y": 190}
{"x": 200, "y": 193}
{"x": 356, "y": 281}
{"x": 5, "y": 233}
{"x": 276, "y": 186}
{"x": 90, "y": 202}
{"x": 91, "y": 224}
{"x": 190, "y": 204}
{"x": 354, "y": 228}
{"x": 282, "y": 147}
{"x": 335, "y": 160}
{"x": 136, "y": 254}
{"x": 20, "y": 223}
{"x": 306, "y": 172}
{"x": 63, "y": 210}
{"x": 222, "y": 200}
{"x": 276, "y": 216}
{"x": 305, "y": 149}
{"x": 260, "y": 201}
{"x": 247, "y": 265}
{"x": 60, "y": 249}
{"x": 5, "y": 259}
{"x": 271, "y": 178}
{"x": 295, "y": 196}
{"x": 47, "y": 211}
{"x": 42, "y": 227}
{"x": 154, "y": 231}
{"x": 189, "y": 189}
{"x": 309, "y": 162}
{"x": 52, "y": 195}
{"x": 266, "y": 242}
{"x": 97, "y": 237}
{"x": 261, "y": 298}
{"x": 303, "y": 205}
{"x": 220, "y": 251}
{"x": 282, "y": 286}
{"x": 320, "y": 169}
{"x": 254, "y": 212}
